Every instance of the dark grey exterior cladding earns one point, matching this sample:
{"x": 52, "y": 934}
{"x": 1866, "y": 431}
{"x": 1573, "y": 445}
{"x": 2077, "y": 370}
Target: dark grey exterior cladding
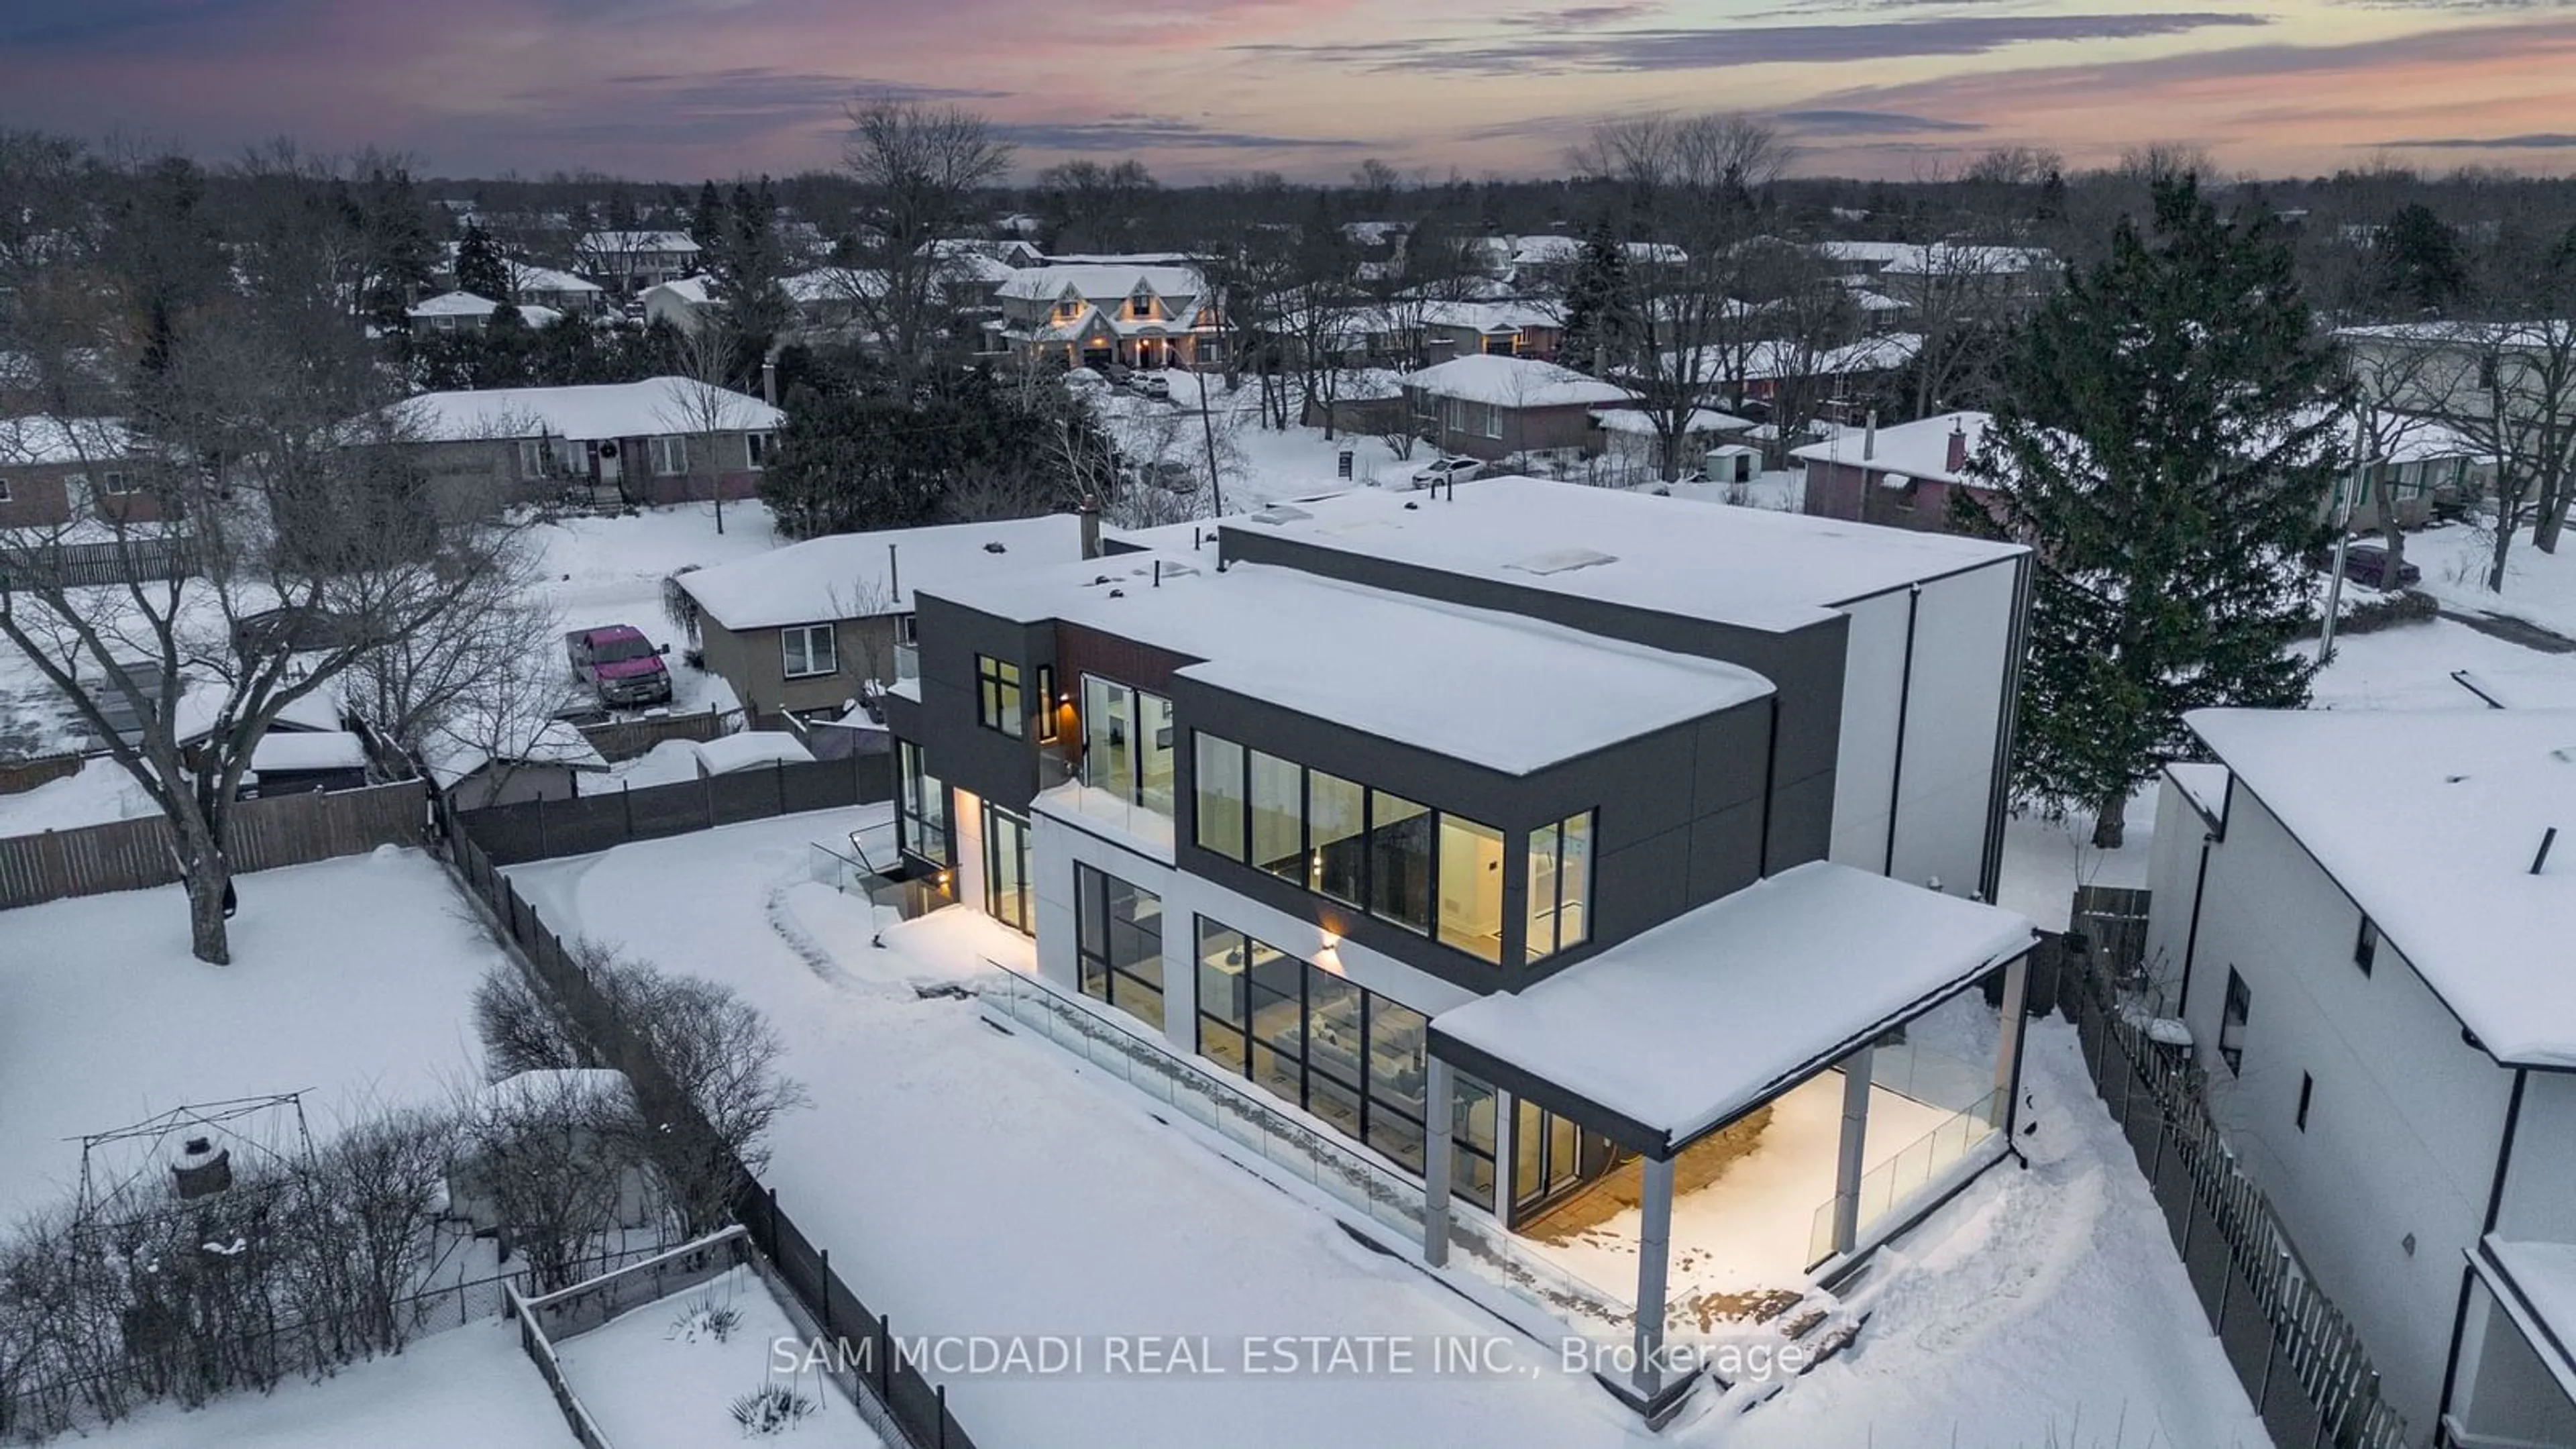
{"x": 1805, "y": 665}
{"x": 955, "y": 745}
{"x": 1683, "y": 816}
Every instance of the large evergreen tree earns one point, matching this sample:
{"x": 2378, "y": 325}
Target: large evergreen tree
{"x": 480, "y": 267}
{"x": 2162, "y": 450}
{"x": 1597, "y": 332}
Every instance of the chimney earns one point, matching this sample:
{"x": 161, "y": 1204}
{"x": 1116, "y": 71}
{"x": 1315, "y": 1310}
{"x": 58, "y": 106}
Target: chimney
{"x": 1090, "y": 514}
{"x": 1869, "y": 437}
{"x": 1958, "y": 445}
{"x": 769, "y": 381}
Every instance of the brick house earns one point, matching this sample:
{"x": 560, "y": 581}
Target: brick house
{"x": 1491, "y": 406}
{"x": 59, "y": 471}
{"x": 1900, "y": 477}
{"x": 662, "y": 440}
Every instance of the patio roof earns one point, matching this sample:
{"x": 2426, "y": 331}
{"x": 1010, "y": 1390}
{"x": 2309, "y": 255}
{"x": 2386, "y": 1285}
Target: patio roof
{"x": 1669, "y": 1035}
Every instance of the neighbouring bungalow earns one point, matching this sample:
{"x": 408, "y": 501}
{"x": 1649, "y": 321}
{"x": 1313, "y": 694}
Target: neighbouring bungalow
{"x": 813, "y": 627}
{"x": 466, "y": 312}
{"x": 630, "y": 261}
{"x": 1096, "y": 313}
{"x": 56, "y": 472}
{"x": 684, "y": 302}
{"x": 1630, "y": 435}
{"x": 535, "y": 286}
{"x": 662, "y": 440}
{"x": 1492, "y": 407}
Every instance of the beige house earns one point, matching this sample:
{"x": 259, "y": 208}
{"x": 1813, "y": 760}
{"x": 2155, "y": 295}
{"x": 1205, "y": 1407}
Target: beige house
{"x": 662, "y": 440}
{"x": 1099, "y": 312}
{"x": 814, "y": 627}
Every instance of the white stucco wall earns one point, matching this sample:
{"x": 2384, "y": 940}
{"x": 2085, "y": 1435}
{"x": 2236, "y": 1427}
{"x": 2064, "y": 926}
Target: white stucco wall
{"x": 2540, "y": 1187}
{"x": 2173, "y": 876}
{"x": 1865, "y": 758}
{"x": 2407, "y": 1118}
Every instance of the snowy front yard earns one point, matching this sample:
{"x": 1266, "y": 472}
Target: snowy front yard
{"x": 972, "y": 1182}
{"x": 351, "y": 983}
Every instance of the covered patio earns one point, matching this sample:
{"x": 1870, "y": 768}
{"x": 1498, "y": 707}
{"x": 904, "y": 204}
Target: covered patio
{"x": 1786, "y": 1076}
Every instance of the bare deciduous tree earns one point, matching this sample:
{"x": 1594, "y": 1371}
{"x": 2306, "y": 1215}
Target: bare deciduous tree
{"x": 918, "y": 166}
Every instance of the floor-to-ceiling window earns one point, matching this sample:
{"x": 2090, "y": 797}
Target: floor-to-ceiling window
{"x": 1118, "y": 930}
{"x": 1219, "y": 806}
{"x": 1356, "y": 1060}
{"x": 1471, "y": 887}
{"x": 922, "y": 807}
{"x": 1127, "y": 743}
{"x": 1006, "y": 870}
{"x": 1560, "y": 886}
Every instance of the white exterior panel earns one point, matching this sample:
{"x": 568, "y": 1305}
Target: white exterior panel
{"x": 1946, "y": 777}
{"x": 1865, "y": 759}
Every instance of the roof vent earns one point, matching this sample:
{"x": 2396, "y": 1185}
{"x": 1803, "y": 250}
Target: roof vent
{"x": 1279, "y": 513}
{"x": 1562, "y": 560}
{"x": 997, "y": 546}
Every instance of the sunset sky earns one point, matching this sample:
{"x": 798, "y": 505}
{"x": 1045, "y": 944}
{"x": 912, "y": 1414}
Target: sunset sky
{"x": 678, "y": 89}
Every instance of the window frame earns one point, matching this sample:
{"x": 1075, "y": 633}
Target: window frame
{"x": 1555, "y": 915}
{"x": 2307, "y": 1098}
{"x": 5, "y": 495}
{"x": 668, "y": 455}
{"x": 915, "y": 788}
{"x": 1093, "y": 919}
{"x": 1049, "y": 729}
{"x": 115, "y": 483}
{"x": 786, "y": 657}
{"x": 992, "y": 692}
{"x": 755, "y": 451}
{"x": 2365, "y": 944}
{"x": 535, "y": 458}
{"x": 2235, "y": 1013}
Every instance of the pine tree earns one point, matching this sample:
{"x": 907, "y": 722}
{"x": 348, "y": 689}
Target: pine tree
{"x": 480, "y": 267}
{"x": 1597, "y": 329}
{"x": 2421, "y": 262}
{"x": 2162, "y": 450}
{"x": 712, "y": 230}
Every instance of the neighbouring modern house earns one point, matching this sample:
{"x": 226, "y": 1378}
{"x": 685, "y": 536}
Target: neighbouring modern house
{"x": 627, "y": 262}
{"x": 1489, "y": 406}
{"x": 59, "y": 472}
{"x": 535, "y": 286}
{"x": 1541, "y": 845}
{"x": 2360, "y": 915}
{"x": 811, "y": 628}
{"x": 466, "y": 312}
{"x": 662, "y": 440}
{"x": 1096, "y": 313}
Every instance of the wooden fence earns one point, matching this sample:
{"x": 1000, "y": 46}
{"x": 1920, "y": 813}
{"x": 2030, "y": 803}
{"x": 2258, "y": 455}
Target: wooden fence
{"x": 625, "y": 739}
{"x": 127, "y": 855}
{"x": 19, "y": 776}
{"x": 101, "y": 565}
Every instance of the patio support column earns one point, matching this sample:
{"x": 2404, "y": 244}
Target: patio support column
{"x": 2008, "y": 1033}
{"x": 1436, "y": 1158}
{"x": 1847, "y": 1168}
{"x": 1654, "y": 1255}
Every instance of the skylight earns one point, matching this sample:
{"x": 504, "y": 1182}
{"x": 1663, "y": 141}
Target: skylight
{"x": 1561, "y": 560}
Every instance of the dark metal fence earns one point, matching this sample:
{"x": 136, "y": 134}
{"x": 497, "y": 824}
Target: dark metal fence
{"x": 867, "y": 1358}
{"x": 2301, "y": 1362}
{"x": 548, "y": 829}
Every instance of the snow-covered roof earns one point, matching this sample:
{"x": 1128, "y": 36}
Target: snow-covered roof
{"x": 1639, "y": 421}
{"x": 2429, "y": 821}
{"x": 697, "y": 291}
{"x": 1685, "y": 1027}
{"x": 1102, "y": 281}
{"x": 1514, "y": 382}
{"x": 296, "y": 751}
{"x": 2483, "y": 334}
{"x": 750, "y": 750}
{"x": 827, "y": 284}
{"x": 1885, "y": 352}
{"x": 1400, "y": 663}
{"x": 1483, "y": 316}
{"x": 469, "y": 304}
{"x": 2202, "y": 784}
{"x": 617, "y": 243}
{"x": 1753, "y": 567}
{"x": 1660, "y": 253}
{"x": 1375, "y": 233}
{"x": 1541, "y": 250}
{"x": 1877, "y": 253}
{"x": 456, "y": 749}
{"x": 2538, "y": 1291}
{"x": 1950, "y": 259}
{"x": 41, "y": 441}
{"x": 1919, "y": 449}
{"x": 589, "y": 412}
{"x": 852, "y": 575}
{"x": 529, "y": 277}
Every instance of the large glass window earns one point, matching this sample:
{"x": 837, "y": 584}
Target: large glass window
{"x": 923, "y": 828}
{"x": 997, "y": 696}
{"x": 1219, "y": 806}
{"x": 806, "y": 650}
{"x": 1400, "y": 861}
{"x": 1278, "y": 1020}
{"x": 1560, "y": 886}
{"x": 1278, "y": 817}
{"x": 1471, "y": 887}
{"x": 1336, "y": 835}
{"x": 1109, "y": 737}
{"x": 1471, "y": 1140}
{"x": 1398, "y": 1065}
{"x": 1154, "y": 773}
{"x": 1223, "y": 955}
{"x": 1006, "y": 870}
{"x": 1118, "y": 929}
{"x": 2238, "y": 1008}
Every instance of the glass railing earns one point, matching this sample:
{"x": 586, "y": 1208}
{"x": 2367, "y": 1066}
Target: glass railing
{"x": 1893, "y": 1182}
{"x": 1236, "y": 1111}
{"x": 1062, "y": 784}
{"x": 907, "y": 661}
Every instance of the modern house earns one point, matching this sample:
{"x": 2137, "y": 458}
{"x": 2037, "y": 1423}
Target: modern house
{"x": 1490, "y": 406}
{"x": 627, "y": 262}
{"x": 1095, "y": 313}
{"x": 1528, "y": 842}
{"x": 2360, "y": 916}
{"x": 662, "y": 440}
{"x": 60, "y": 472}
{"x": 466, "y": 312}
{"x": 813, "y": 627}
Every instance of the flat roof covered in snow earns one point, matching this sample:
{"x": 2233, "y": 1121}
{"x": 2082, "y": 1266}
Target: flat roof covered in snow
{"x": 2429, "y": 820}
{"x": 1753, "y": 567}
{"x": 589, "y": 412}
{"x": 1688, "y": 1026}
{"x": 1460, "y": 682}
{"x": 862, "y": 575}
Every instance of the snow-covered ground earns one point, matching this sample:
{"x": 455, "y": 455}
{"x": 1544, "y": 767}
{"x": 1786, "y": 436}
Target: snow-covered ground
{"x": 351, "y": 983}
{"x": 101, "y": 791}
{"x": 609, "y": 570}
{"x": 972, "y": 1182}
{"x": 660, "y": 1377}
{"x": 2538, "y": 587}
{"x": 467, "y": 1388}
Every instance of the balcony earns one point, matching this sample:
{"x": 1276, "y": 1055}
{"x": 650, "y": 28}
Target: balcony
{"x": 1065, "y": 792}
{"x": 907, "y": 661}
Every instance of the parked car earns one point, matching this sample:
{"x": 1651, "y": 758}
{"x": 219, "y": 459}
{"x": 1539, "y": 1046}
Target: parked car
{"x": 1168, "y": 474}
{"x": 1155, "y": 385}
{"x": 620, "y": 665}
{"x": 2366, "y": 564}
{"x": 1448, "y": 468}
{"x": 1119, "y": 375}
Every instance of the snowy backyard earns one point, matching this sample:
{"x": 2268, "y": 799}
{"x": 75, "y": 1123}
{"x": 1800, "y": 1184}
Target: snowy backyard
{"x": 971, "y": 1182}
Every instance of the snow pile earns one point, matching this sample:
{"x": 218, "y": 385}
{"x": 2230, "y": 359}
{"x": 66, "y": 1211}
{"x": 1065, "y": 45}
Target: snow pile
{"x": 102, "y": 790}
{"x": 1514, "y": 382}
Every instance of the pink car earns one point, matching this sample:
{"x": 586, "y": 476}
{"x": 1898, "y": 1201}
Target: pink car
{"x": 620, "y": 665}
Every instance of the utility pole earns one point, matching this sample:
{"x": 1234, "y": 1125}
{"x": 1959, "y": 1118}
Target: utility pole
{"x": 2343, "y": 533}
